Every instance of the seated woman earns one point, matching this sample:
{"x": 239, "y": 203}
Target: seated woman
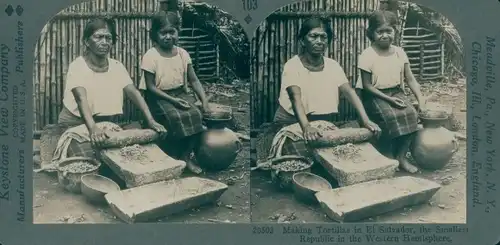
{"x": 95, "y": 87}
{"x": 166, "y": 68}
{"x": 310, "y": 89}
{"x": 383, "y": 68}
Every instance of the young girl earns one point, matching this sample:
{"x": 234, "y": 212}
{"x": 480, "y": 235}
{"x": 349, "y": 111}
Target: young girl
{"x": 383, "y": 67}
{"x": 166, "y": 68}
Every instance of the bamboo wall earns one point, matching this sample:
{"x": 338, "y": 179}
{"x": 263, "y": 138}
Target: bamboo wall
{"x": 275, "y": 42}
{"x": 425, "y": 50}
{"x": 60, "y": 43}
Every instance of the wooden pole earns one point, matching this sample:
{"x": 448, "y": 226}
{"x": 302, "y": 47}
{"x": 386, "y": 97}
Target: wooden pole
{"x": 217, "y": 59}
{"x": 421, "y": 61}
{"x": 441, "y": 39}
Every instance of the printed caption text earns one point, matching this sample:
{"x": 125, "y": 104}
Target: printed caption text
{"x": 483, "y": 128}
{"x": 13, "y": 119}
{"x": 363, "y": 233}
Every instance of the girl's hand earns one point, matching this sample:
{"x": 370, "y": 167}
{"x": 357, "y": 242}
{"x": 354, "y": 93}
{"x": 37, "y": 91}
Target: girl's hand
{"x": 373, "y": 127}
{"x": 205, "y": 108}
{"x": 403, "y": 88}
{"x": 422, "y": 106}
{"x": 157, "y": 127}
{"x": 399, "y": 103}
{"x": 311, "y": 133}
{"x": 97, "y": 136}
{"x": 182, "y": 104}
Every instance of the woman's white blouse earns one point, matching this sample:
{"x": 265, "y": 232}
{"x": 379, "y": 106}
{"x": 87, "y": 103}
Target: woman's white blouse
{"x": 319, "y": 89}
{"x": 104, "y": 89}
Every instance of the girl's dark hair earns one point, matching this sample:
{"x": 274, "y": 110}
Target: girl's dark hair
{"x": 99, "y": 23}
{"x": 379, "y": 18}
{"x": 162, "y": 20}
{"x": 315, "y": 22}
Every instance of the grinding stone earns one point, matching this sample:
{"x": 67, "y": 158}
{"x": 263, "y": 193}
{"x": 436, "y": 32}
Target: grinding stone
{"x": 372, "y": 198}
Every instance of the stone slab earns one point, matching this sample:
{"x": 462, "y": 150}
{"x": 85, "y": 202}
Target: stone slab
{"x": 157, "y": 200}
{"x": 156, "y": 166}
{"x": 372, "y": 198}
{"x": 129, "y": 137}
{"x": 372, "y": 165}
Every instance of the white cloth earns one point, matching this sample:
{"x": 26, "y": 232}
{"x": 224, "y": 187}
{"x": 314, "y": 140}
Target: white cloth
{"x": 293, "y": 132}
{"x": 319, "y": 89}
{"x": 80, "y": 134}
{"x": 387, "y": 70}
{"x": 170, "y": 72}
{"x": 104, "y": 89}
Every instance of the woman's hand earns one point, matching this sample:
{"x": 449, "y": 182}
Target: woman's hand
{"x": 373, "y": 127}
{"x": 311, "y": 133}
{"x": 97, "y": 136}
{"x": 182, "y": 104}
{"x": 152, "y": 124}
{"x": 398, "y": 103}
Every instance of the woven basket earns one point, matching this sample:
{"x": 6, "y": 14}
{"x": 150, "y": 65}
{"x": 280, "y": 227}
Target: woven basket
{"x": 265, "y": 139}
{"x": 284, "y": 179}
{"x": 48, "y": 142}
{"x": 71, "y": 181}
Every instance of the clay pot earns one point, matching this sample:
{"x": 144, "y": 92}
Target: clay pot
{"x": 218, "y": 148}
{"x": 433, "y": 146}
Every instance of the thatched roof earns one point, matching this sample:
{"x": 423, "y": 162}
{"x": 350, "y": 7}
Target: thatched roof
{"x": 233, "y": 42}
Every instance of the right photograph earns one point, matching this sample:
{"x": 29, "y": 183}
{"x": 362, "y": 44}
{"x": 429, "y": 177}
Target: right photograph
{"x": 358, "y": 114}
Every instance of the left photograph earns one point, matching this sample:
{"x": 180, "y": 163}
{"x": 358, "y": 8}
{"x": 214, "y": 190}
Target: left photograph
{"x": 141, "y": 115}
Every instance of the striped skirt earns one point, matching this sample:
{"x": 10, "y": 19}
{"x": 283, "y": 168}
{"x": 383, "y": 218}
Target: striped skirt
{"x": 290, "y": 147}
{"x": 180, "y": 124}
{"x": 75, "y": 148}
{"x": 394, "y": 122}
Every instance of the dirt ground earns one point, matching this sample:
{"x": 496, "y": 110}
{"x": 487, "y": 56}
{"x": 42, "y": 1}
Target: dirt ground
{"x": 447, "y": 206}
{"x": 265, "y": 203}
{"x": 52, "y": 204}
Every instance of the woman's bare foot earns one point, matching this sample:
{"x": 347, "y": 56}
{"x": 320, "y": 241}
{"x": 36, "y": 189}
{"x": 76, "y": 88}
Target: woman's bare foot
{"x": 407, "y": 166}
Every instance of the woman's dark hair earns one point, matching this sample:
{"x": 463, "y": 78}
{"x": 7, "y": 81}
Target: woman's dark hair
{"x": 99, "y": 23}
{"x": 390, "y": 5}
{"x": 379, "y": 18}
{"x": 315, "y": 22}
{"x": 162, "y": 20}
